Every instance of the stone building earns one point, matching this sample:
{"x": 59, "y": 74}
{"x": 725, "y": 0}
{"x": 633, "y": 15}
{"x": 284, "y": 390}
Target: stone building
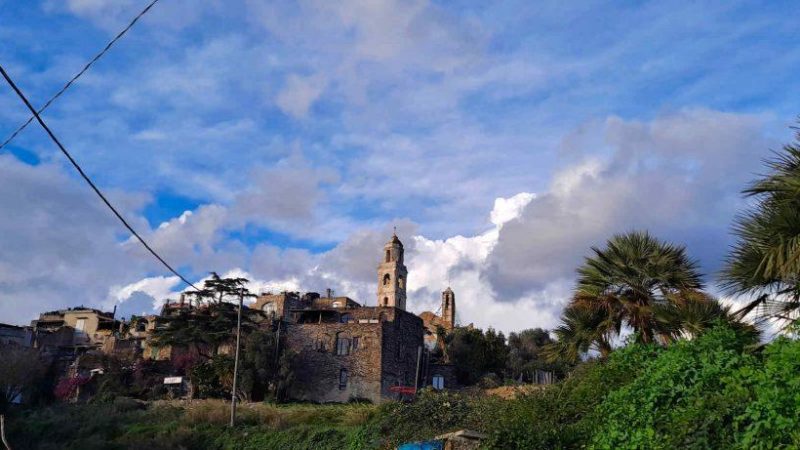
{"x": 78, "y": 328}
{"x": 447, "y": 320}
{"x": 342, "y": 350}
{"x": 346, "y": 351}
{"x": 392, "y": 275}
{"x": 15, "y": 335}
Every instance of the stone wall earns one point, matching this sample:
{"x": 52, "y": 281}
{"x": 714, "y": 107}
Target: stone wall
{"x": 402, "y": 337}
{"x": 318, "y": 367}
{"x": 378, "y": 350}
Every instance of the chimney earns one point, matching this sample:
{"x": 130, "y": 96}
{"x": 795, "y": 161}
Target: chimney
{"x": 329, "y": 292}
{"x": 183, "y": 299}
{"x": 114, "y": 313}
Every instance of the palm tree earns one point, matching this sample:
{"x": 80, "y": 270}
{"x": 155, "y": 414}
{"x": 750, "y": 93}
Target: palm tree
{"x": 765, "y": 261}
{"x": 631, "y": 279}
{"x": 693, "y": 313}
{"x": 581, "y": 330}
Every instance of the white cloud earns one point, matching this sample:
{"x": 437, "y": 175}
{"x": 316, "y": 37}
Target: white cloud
{"x": 678, "y": 176}
{"x": 299, "y": 94}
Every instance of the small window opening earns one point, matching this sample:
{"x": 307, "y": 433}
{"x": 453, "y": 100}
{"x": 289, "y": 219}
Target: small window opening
{"x": 438, "y": 382}
{"x": 343, "y": 379}
{"x": 342, "y": 346}
{"x": 388, "y": 255}
{"x": 387, "y": 279}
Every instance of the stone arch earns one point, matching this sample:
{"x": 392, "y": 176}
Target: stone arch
{"x": 387, "y": 279}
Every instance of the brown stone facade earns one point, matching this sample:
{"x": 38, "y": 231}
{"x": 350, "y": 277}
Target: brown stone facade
{"x": 353, "y": 353}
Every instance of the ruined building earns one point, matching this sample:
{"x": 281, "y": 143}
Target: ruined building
{"x": 346, "y": 351}
{"x": 447, "y": 320}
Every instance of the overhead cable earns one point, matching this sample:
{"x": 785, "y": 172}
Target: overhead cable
{"x": 82, "y": 71}
{"x": 87, "y": 179}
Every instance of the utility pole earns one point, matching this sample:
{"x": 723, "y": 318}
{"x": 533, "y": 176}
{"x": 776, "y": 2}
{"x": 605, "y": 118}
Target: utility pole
{"x": 419, "y": 360}
{"x": 3, "y": 432}
{"x": 236, "y": 358}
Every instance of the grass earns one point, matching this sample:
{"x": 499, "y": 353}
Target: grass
{"x": 197, "y": 425}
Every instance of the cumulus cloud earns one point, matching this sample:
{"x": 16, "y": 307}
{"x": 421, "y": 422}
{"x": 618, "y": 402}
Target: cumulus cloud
{"x": 58, "y": 243}
{"x": 678, "y": 176}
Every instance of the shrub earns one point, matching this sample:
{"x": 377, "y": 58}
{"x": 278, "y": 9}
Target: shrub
{"x": 688, "y": 397}
{"x": 562, "y": 415}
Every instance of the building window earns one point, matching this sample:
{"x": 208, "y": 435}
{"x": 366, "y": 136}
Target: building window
{"x": 400, "y": 283}
{"x": 438, "y": 382}
{"x": 388, "y": 255}
{"x": 355, "y": 343}
{"x": 386, "y": 279}
{"x": 344, "y": 318}
{"x": 80, "y": 325}
{"x": 343, "y": 379}
{"x": 385, "y": 301}
{"x": 342, "y": 346}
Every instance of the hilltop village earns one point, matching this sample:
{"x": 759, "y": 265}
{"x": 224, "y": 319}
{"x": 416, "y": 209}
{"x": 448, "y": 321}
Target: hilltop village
{"x": 341, "y": 349}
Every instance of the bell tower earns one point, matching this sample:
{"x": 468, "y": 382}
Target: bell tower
{"x": 392, "y": 275}
{"x": 449, "y": 308}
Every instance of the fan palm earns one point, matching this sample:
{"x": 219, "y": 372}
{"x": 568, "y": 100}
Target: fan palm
{"x": 630, "y": 279}
{"x": 581, "y": 330}
{"x": 693, "y": 313}
{"x": 765, "y": 261}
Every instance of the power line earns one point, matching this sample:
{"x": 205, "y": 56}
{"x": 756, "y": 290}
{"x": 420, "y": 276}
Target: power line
{"x": 88, "y": 180}
{"x": 82, "y": 71}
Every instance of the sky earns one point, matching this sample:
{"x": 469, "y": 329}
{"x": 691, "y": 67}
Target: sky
{"x": 283, "y": 141}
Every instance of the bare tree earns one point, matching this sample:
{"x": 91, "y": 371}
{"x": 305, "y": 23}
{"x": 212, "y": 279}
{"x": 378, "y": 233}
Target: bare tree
{"x": 20, "y": 372}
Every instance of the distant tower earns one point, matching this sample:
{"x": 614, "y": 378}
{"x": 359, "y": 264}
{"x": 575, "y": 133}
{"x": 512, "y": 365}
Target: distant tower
{"x": 449, "y": 308}
{"x": 392, "y": 275}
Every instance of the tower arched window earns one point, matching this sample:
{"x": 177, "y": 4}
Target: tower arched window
{"x": 388, "y": 255}
{"x": 387, "y": 279}
{"x": 400, "y": 282}
{"x": 385, "y": 301}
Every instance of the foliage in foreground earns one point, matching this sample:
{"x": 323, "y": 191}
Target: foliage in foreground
{"x": 714, "y": 391}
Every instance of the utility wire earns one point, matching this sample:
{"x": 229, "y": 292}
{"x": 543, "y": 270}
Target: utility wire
{"x": 88, "y": 180}
{"x": 78, "y": 75}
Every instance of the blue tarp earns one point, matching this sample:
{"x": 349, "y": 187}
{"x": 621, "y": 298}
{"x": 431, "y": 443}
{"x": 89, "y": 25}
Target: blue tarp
{"x": 427, "y": 445}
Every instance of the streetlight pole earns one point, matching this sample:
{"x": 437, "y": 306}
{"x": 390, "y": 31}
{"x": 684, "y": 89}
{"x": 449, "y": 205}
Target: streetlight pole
{"x": 236, "y": 358}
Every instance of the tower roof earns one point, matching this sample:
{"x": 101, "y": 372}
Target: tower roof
{"x": 394, "y": 240}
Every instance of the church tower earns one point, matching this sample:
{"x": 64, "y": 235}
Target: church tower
{"x": 392, "y": 275}
{"x": 449, "y": 308}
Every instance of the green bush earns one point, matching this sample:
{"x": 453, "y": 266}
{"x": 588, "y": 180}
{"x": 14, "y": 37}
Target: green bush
{"x": 770, "y": 418}
{"x": 562, "y": 415}
{"x": 705, "y": 394}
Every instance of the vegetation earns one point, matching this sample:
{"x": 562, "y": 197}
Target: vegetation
{"x": 210, "y": 323}
{"x": 20, "y": 373}
{"x": 765, "y": 262}
{"x": 714, "y": 391}
{"x": 641, "y": 283}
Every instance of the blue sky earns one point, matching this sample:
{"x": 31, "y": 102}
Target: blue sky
{"x": 284, "y": 140}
